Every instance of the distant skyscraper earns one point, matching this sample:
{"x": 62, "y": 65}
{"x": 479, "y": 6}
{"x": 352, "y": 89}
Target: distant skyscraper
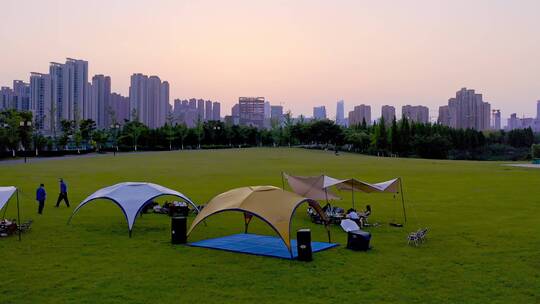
{"x": 388, "y": 113}
{"x": 75, "y": 78}
{"x": 276, "y": 114}
{"x": 200, "y": 109}
{"x": 319, "y": 112}
{"x": 416, "y": 113}
{"x": 21, "y": 91}
{"x": 513, "y": 122}
{"x": 340, "y": 113}
{"x": 164, "y": 106}
{"x": 100, "y": 109}
{"x": 235, "y": 110}
{"x": 251, "y": 111}
{"x": 120, "y": 106}
{"x": 267, "y": 110}
{"x": 138, "y": 98}
{"x": 149, "y": 100}
{"x": 444, "y": 116}
{"x": 359, "y": 114}
{"x": 208, "y": 110}
{"x": 496, "y": 117}
{"x": 154, "y": 98}
{"x": 216, "y": 111}
{"x": 469, "y": 111}
{"x": 6, "y": 98}
{"x": 41, "y": 102}
{"x": 537, "y": 122}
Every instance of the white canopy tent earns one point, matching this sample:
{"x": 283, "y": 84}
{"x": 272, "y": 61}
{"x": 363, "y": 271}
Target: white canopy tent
{"x": 131, "y": 197}
{"x": 5, "y": 194}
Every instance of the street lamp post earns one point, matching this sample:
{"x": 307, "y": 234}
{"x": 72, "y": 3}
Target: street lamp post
{"x": 25, "y": 124}
{"x": 115, "y": 127}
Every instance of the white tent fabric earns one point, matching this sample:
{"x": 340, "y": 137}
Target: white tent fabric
{"x": 391, "y": 186}
{"x": 131, "y": 197}
{"x": 5, "y": 195}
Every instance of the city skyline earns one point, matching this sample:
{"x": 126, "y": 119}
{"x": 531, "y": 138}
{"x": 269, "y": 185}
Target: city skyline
{"x": 380, "y": 65}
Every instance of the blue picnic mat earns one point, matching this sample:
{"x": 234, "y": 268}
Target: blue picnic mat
{"x": 258, "y": 245}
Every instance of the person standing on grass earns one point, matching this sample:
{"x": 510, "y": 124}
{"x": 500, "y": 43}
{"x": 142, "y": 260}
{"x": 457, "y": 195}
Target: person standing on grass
{"x": 41, "y": 195}
{"x": 63, "y": 194}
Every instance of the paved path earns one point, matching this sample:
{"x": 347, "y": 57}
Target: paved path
{"x": 88, "y": 155}
{"x": 524, "y": 165}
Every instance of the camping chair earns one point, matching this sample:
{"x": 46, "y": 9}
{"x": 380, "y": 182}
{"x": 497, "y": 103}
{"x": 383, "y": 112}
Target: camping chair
{"x": 418, "y": 237}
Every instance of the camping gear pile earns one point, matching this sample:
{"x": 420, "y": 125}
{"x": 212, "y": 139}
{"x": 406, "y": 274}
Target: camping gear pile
{"x": 7, "y": 227}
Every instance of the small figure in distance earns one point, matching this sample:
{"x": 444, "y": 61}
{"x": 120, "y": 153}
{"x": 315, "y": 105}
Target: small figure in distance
{"x": 63, "y": 193}
{"x": 41, "y": 195}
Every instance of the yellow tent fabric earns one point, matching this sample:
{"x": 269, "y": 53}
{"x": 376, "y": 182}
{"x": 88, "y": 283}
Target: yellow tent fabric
{"x": 271, "y": 204}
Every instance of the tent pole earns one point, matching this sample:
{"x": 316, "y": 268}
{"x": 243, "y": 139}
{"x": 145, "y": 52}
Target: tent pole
{"x": 326, "y": 195}
{"x": 352, "y": 191}
{"x": 328, "y": 232}
{"x": 129, "y": 233}
{"x": 402, "y": 199}
{"x": 18, "y": 215}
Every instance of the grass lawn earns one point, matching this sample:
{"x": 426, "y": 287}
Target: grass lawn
{"x": 483, "y": 247}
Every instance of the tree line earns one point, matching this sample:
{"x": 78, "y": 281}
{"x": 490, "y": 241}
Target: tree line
{"x": 403, "y": 138}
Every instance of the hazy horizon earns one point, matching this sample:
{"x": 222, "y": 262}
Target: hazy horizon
{"x": 299, "y": 54}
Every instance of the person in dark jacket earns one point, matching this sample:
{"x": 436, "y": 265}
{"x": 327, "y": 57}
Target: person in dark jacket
{"x": 63, "y": 194}
{"x": 41, "y": 195}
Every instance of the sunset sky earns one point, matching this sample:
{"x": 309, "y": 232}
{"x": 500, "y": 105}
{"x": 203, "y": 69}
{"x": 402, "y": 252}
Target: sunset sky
{"x": 296, "y": 53}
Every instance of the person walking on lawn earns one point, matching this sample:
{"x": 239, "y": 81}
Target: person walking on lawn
{"x": 63, "y": 194}
{"x": 41, "y": 195}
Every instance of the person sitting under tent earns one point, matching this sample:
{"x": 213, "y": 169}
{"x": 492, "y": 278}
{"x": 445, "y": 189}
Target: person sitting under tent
{"x": 353, "y": 215}
{"x": 364, "y": 216}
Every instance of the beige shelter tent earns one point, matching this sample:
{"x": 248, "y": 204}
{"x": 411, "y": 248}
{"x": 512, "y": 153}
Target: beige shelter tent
{"x": 391, "y": 186}
{"x": 313, "y": 187}
{"x": 271, "y": 204}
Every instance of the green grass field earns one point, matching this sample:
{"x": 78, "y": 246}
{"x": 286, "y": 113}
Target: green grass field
{"x": 483, "y": 246}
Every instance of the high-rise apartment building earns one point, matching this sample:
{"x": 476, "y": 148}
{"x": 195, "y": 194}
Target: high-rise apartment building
{"x": 496, "y": 118}
{"x": 41, "y": 102}
{"x": 100, "y": 109}
{"x": 200, "y": 109}
{"x": 359, "y": 114}
{"x": 276, "y": 114}
{"x": 444, "y": 116}
{"x": 340, "y": 113}
{"x": 208, "y": 114}
{"x": 120, "y": 108}
{"x": 75, "y": 79}
{"x": 21, "y": 95}
{"x": 319, "y": 112}
{"x": 149, "y": 100}
{"x": 138, "y": 98}
{"x": 267, "y": 110}
{"x": 388, "y": 113}
{"x": 251, "y": 111}
{"x": 216, "y": 111}
{"x": 469, "y": 111}
{"x": 415, "y": 113}
{"x": 6, "y": 98}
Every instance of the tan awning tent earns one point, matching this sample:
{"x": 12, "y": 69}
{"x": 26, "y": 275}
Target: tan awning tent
{"x": 271, "y": 204}
{"x": 317, "y": 187}
{"x": 313, "y": 187}
{"x": 391, "y": 186}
